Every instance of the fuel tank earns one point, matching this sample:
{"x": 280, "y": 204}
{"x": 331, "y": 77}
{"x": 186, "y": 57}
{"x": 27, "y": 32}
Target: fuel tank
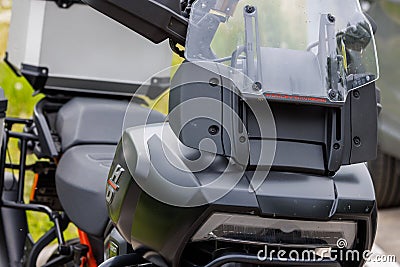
{"x": 160, "y": 200}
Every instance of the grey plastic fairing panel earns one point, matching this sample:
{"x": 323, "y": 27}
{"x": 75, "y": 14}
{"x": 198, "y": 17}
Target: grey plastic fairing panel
{"x": 355, "y": 189}
{"x": 80, "y": 180}
{"x": 349, "y": 183}
{"x": 296, "y": 159}
{"x": 297, "y": 195}
{"x": 99, "y": 121}
{"x": 350, "y": 191}
{"x": 282, "y": 195}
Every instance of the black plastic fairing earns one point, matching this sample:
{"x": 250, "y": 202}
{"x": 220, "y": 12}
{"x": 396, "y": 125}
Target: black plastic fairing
{"x": 35, "y": 75}
{"x": 155, "y": 20}
{"x": 71, "y": 87}
{"x": 47, "y": 146}
{"x": 167, "y": 229}
{"x": 310, "y": 138}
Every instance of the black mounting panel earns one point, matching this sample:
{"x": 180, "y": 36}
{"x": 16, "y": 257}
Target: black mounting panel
{"x": 36, "y": 76}
{"x": 155, "y": 20}
{"x": 66, "y": 3}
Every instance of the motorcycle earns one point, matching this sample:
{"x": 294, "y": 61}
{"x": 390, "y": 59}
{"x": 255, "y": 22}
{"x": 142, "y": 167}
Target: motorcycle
{"x": 259, "y": 161}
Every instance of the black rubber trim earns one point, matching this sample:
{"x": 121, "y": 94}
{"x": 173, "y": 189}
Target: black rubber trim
{"x": 83, "y": 87}
{"x": 155, "y": 20}
{"x": 3, "y": 108}
{"x": 35, "y": 75}
{"x": 46, "y": 140}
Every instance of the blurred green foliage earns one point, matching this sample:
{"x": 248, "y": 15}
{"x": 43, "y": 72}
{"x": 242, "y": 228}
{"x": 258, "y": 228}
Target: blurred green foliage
{"x": 18, "y": 92}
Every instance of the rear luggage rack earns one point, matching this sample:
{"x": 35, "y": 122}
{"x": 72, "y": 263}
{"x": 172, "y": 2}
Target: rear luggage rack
{"x": 58, "y": 218}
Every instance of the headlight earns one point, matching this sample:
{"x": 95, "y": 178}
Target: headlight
{"x": 285, "y": 233}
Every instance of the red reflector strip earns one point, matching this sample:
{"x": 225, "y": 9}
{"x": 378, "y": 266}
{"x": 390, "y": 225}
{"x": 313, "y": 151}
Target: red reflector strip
{"x": 296, "y": 98}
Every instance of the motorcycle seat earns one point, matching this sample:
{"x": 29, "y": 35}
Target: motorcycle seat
{"x": 99, "y": 121}
{"x": 90, "y": 130}
{"x": 81, "y": 181}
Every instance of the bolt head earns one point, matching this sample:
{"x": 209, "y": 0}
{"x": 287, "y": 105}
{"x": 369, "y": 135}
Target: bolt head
{"x": 249, "y": 9}
{"x": 336, "y": 146}
{"x": 357, "y": 141}
{"x": 214, "y": 82}
{"x": 213, "y": 130}
{"x": 331, "y": 18}
{"x": 257, "y": 86}
{"x": 332, "y": 94}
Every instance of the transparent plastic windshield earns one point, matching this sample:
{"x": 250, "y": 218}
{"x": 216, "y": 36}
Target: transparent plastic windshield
{"x": 320, "y": 49}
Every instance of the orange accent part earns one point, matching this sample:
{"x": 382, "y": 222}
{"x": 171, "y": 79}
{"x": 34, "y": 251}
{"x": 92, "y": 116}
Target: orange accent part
{"x": 89, "y": 261}
{"x": 114, "y": 186}
{"x": 33, "y": 189}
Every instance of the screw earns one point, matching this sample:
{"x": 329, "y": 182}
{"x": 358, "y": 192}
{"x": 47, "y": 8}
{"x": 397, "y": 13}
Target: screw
{"x": 336, "y": 146}
{"x": 214, "y": 82}
{"x": 213, "y": 130}
{"x": 332, "y": 94}
{"x": 356, "y": 94}
{"x": 357, "y": 141}
{"x": 257, "y": 86}
{"x": 249, "y": 9}
{"x": 242, "y": 139}
{"x": 331, "y": 18}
